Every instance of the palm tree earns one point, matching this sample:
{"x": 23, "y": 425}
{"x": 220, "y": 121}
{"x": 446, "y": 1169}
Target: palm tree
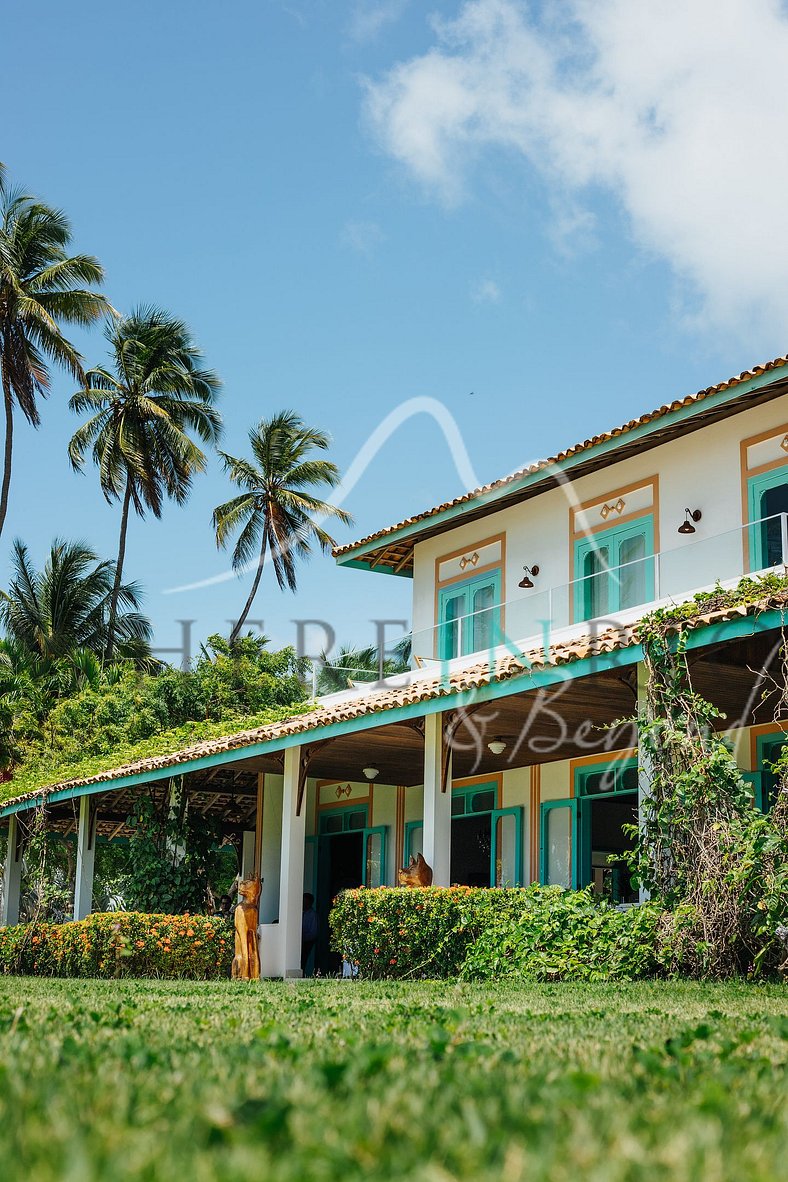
{"x": 276, "y": 511}
{"x": 41, "y": 288}
{"x": 360, "y": 664}
{"x": 142, "y": 411}
{"x": 60, "y": 611}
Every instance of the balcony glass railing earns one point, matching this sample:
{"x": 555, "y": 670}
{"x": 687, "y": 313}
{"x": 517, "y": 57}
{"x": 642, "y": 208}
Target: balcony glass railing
{"x": 613, "y": 594}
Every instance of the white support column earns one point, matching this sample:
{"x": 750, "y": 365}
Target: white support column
{"x": 291, "y": 877}
{"x": 12, "y": 875}
{"x": 271, "y": 856}
{"x": 437, "y": 804}
{"x": 86, "y": 857}
{"x": 644, "y": 761}
{"x": 247, "y": 854}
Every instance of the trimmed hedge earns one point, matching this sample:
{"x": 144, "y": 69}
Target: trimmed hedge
{"x": 534, "y": 933}
{"x": 121, "y": 944}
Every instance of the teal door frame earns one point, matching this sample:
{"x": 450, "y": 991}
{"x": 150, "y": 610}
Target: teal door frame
{"x": 516, "y": 812}
{"x": 546, "y": 807}
{"x": 372, "y": 831}
{"x": 756, "y": 487}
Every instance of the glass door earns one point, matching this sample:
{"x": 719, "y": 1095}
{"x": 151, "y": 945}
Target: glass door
{"x": 558, "y": 845}
{"x": 375, "y": 856}
{"x": 469, "y": 616}
{"x": 614, "y": 570}
{"x": 506, "y": 860}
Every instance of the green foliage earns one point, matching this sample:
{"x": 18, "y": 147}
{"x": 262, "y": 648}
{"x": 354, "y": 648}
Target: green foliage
{"x": 176, "y": 857}
{"x": 62, "y": 611}
{"x": 277, "y": 511}
{"x": 137, "y": 715}
{"x": 114, "y": 1081}
{"x": 535, "y": 933}
{"x": 120, "y": 944}
{"x": 360, "y": 664}
{"x": 711, "y": 858}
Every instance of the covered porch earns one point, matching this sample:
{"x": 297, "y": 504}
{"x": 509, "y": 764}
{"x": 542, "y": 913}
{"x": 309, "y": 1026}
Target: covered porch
{"x": 494, "y": 775}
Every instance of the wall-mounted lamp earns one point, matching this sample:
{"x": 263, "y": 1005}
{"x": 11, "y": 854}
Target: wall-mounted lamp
{"x": 371, "y": 773}
{"x": 530, "y": 574}
{"x": 691, "y": 515}
{"x": 497, "y": 746}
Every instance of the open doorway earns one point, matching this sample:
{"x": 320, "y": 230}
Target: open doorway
{"x": 609, "y": 873}
{"x": 471, "y": 847}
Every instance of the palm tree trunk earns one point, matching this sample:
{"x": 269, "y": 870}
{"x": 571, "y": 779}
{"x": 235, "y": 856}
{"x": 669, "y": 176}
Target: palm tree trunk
{"x": 9, "y": 447}
{"x": 113, "y": 603}
{"x": 248, "y": 605}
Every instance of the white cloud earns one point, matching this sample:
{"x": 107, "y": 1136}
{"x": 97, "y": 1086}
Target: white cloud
{"x": 679, "y": 110}
{"x": 362, "y": 237}
{"x": 370, "y": 17}
{"x": 486, "y": 291}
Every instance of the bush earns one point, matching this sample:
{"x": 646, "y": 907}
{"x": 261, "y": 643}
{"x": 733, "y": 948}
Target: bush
{"x": 535, "y": 933}
{"x": 120, "y": 944}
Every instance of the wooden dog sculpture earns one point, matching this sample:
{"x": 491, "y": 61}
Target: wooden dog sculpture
{"x": 246, "y": 963}
{"x": 416, "y": 874}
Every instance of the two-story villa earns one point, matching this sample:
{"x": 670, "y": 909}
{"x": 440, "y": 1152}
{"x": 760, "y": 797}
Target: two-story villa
{"x": 502, "y": 754}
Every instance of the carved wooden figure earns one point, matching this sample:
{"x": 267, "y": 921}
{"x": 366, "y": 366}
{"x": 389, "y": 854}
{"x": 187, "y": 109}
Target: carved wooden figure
{"x": 416, "y": 874}
{"x": 246, "y": 963}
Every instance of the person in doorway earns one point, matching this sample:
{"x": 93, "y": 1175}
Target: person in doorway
{"x": 308, "y": 930}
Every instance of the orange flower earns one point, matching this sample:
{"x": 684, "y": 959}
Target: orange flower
{"x": 393, "y": 960}
{"x": 140, "y": 943}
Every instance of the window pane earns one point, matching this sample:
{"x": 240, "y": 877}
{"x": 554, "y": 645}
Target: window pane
{"x": 332, "y": 824}
{"x": 632, "y": 571}
{"x": 596, "y": 584}
{"x": 629, "y": 779}
{"x": 506, "y": 850}
{"x": 483, "y": 620}
{"x": 483, "y": 802}
{"x": 558, "y": 843}
{"x": 454, "y": 608}
{"x": 357, "y": 821}
{"x": 458, "y": 804}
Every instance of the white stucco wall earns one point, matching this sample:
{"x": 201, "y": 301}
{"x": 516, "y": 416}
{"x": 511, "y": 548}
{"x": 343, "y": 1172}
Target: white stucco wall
{"x": 700, "y": 470}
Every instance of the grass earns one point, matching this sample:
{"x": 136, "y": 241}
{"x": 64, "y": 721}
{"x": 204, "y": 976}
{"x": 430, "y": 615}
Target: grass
{"x": 424, "y": 1082}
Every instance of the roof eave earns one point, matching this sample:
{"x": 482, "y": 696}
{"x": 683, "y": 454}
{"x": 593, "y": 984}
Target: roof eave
{"x": 434, "y": 523}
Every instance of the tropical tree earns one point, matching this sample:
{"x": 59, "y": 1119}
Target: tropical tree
{"x": 61, "y": 611}
{"x": 276, "y": 512}
{"x": 42, "y": 287}
{"x": 142, "y": 410}
{"x": 360, "y": 664}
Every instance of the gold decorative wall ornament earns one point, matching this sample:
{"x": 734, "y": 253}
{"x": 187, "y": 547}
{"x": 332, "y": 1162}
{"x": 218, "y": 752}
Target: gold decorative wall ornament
{"x": 469, "y": 560}
{"x": 617, "y": 507}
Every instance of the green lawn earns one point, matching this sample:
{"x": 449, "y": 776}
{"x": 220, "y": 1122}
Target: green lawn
{"x": 419, "y": 1082}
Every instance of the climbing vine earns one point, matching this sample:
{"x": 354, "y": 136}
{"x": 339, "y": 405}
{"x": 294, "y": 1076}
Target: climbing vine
{"x": 176, "y": 860}
{"x": 703, "y": 849}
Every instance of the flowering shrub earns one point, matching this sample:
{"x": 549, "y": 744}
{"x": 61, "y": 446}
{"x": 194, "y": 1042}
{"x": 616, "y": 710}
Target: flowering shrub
{"x": 120, "y": 944}
{"x": 535, "y": 933}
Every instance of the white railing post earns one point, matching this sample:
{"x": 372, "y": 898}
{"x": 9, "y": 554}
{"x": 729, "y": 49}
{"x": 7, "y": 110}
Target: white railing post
{"x": 437, "y": 802}
{"x": 784, "y": 537}
{"x": 291, "y": 870}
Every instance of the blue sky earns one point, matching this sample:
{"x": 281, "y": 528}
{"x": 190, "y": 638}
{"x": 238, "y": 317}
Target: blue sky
{"x": 550, "y": 218}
